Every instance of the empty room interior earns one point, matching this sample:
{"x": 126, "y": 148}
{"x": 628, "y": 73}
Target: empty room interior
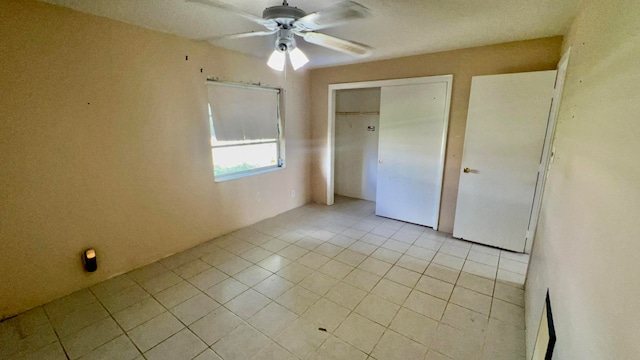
{"x": 370, "y": 180}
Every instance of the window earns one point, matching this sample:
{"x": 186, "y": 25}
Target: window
{"x": 245, "y": 129}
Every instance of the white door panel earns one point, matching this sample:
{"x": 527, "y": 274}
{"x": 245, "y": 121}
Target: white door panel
{"x": 410, "y": 151}
{"x": 503, "y": 142}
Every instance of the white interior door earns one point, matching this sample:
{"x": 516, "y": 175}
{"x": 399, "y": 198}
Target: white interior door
{"x": 503, "y": 141}
{"x": 413, "y": 121}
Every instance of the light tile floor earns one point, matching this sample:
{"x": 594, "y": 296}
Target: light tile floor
{"x": 379, "y": 288}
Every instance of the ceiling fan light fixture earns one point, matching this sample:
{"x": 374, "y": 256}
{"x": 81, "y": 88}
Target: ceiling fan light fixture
{"x": 298, "y": 58}
{"x": 277, "y": 60}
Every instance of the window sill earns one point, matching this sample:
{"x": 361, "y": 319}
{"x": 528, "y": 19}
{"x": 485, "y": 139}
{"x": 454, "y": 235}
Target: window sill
{"x": 247, "y": 173}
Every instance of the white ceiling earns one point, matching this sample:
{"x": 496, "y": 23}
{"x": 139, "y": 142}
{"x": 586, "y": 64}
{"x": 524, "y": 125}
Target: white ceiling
{"x": 396, "y": 27}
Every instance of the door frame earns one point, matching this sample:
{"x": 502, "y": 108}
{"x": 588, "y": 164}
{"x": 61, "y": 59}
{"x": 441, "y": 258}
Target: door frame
{"x": 331, "y": 120}
{"x": 547, "y": 151}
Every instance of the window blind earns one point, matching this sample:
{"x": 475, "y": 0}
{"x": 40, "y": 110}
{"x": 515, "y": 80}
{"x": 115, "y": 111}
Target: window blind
{"x": 243, "y": 112}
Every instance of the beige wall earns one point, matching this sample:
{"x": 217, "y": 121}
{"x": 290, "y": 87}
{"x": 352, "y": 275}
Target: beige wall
{"x": 105, "y": 143}
{"x": 587, "y": 248}
{"x": 532, "y": 55}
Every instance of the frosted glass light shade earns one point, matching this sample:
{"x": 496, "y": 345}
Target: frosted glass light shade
{"x": 277, "y": 60}
{"x": 298, "y": 58}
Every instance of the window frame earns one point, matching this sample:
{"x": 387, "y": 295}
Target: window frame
{"x": 279, "y": 140}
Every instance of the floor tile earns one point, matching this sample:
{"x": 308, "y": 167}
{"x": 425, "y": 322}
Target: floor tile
{"x": 217, "y": 257}
{"x": 395, "y": 346}
{"x": 377, "y": 309}
{"x": 273, "y": 286}
{"x": 274, "y": 262}
{"x": 176, "y": 294}
{"x": 273, "y": 351}
{"x": 191, "y": 268}
{"x": 354, "y": 233}
{"x": 298, "y": 299}
{"x": 485, "y": 249}
{"x": 138, "y": 313}
{"x": 90, "y": 338}
{"x": 154, "y": 331}
{"x": 336, "y": 269}
{"x": 295, "y": 272}
{"x": 233, "y": 265}
{"x": 363, "y": 247}
{"x": 391, "y": 291}
{"x": 226, "y": 290}
{"x": 336, "y": 349}
{"x": 112, "y": 286}
{"x": 318, "y": 283}
{"x": 508, "y": 337}
{"x": 420, "y": 253}
{"x": 326, "y": 314}
{"x": 194, "y": 308}
{"x": 53, "y": 351}
{"x": 252, "y": 275}
{"x": 346, "y": 295}
{"x": 375, "y": 266}
{"x": 396, "y": 245}
{"x": 78, "y": 319}
{"x": 412, "y": 263}
{"x": 523, "y": 258}
{"x": 208, "y": 278}
{"x": 483, "y": 258}
{"x": 328, "y": 250}
{"x": 403, "y": 276}
{"x": 183, "y": 345}
{"x": 177, "y": 260}
{"x": 386, "y": 255}
{"x": 256, "y": 255}
{"x": 476, "y": 283}
{"x": 507, "y": 312}
{"x": 247, "y": 303}
{"x": 313, "y": 260}
{"x": 443, "y": 273}
{"x": 242, "y": 343}
{"x": 471, "y": 300}
{"x": 148, "y": 272}
{"x": 119, "y": 348}
{"x": 478, "y": 269}
{"x": 308, "y": 243}
{"x": 215, "y": 325}
{"x": 425, "y": 304}
{"x": 465, "y": 319}
{"x": 360, "y": 332}
{"x": 208, "y": 354}
{"x": 457, "y": 344}
{"x": 272, "y": 319}
{"x": 509, "y": 294}
{"x": 435, "y": 287}
{"x": 275, "y": 245}
{"x": 301, "y": 338}
{"x": 362, "y": 279}
{"x": 448, "y": 261}
{"x": 513, "y": 266}
{"x": 350, "y": 257}
{"x": 414, "y": 326}
{"x": 510, "y": 278}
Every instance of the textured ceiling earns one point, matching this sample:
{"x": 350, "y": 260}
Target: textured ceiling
{"x": 396, "y": 27}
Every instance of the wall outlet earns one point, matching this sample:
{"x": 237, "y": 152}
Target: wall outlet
{"x": 293, "y": 193}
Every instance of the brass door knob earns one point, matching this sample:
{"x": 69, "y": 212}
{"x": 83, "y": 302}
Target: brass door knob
{"x": 466, "y": 170}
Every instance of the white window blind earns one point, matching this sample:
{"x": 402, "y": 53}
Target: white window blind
{"x": 243, "y": 113}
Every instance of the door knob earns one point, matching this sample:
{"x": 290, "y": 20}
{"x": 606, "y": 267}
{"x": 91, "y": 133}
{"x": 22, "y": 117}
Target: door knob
{"x": 380, "y": 161}
{"x": 466, "y": 170}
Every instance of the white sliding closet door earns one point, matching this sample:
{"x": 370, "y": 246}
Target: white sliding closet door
{"x": 413, "y": 123}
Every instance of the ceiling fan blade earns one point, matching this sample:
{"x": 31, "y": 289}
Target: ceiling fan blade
{"x": 240, "y": 35}
{"x": 269, "y": 24}
{"x": 332, "y": 16}
{"x": 334, "y": 43}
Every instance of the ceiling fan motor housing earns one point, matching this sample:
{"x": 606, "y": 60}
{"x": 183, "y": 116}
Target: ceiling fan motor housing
{"x": 285, "y": 40}
{"x": 283, "y": 14}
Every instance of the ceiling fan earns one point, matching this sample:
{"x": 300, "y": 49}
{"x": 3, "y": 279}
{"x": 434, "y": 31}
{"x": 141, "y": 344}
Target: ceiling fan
{"x": 288, "y": 21}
